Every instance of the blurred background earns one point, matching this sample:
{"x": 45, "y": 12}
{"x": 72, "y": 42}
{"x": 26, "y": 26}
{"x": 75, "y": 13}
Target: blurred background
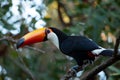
{"x": 96, "y": 19}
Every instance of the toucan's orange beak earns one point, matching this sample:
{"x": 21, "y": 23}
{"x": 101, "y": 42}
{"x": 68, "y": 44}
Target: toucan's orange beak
{"x": 35, "y": 36}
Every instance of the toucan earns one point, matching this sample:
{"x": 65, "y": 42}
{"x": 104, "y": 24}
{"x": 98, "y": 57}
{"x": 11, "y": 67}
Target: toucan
{"x": 81, "y": 48}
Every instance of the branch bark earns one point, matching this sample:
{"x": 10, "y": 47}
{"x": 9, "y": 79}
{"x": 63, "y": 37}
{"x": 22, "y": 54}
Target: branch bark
{"x": 116, "y": 46}
{"x": 101, "y": 67}
{"x": 10, "y": 39}
{"x": 60, "y": 7}
{"x": 96, "y": 70}
{"x": 22, "y": 67}
{"x": 105, "y": 64}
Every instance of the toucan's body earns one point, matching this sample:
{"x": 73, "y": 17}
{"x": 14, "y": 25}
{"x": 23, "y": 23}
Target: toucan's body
{"x": 82, "y": 49}
{"x": 79, "y": 47}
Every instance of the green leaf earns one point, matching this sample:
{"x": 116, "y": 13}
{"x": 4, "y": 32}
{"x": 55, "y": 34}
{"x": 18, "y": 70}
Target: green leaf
{"x": 114, "y": 69}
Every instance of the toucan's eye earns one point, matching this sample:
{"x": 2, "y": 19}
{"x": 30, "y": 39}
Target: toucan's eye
{"x": 47, "y": 31}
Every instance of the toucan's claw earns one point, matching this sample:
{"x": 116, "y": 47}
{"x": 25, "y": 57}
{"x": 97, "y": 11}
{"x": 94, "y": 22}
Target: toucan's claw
{"x": 75, "y": 69}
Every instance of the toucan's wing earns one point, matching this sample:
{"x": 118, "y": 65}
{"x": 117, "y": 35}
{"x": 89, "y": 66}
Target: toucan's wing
{"x": 77, "y": 44}
{"x": 82, "y": 43}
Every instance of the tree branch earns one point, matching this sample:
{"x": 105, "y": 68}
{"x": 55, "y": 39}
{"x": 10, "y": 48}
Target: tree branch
{"x": 61, "y": 6}
{"x": 35, "y": 49}
{"x": 10, "y": 39}
{"x": 116, "y": 46}
{"x": 99, "y": 68}
{"x": 105, "y": 64}
{"x": 22, "y": 67}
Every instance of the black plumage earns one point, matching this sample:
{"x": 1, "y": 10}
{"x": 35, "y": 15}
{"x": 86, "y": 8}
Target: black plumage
{"x": 78, "y": 47}
{"x": 81, "y": 48}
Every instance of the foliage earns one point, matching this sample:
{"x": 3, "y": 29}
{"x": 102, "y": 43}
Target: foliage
{"x": 96, "y": 19}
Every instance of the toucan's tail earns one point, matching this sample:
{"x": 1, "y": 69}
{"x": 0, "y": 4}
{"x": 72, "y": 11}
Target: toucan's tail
{"x": 107, "y": 53}
{"x": 103, "y": 51}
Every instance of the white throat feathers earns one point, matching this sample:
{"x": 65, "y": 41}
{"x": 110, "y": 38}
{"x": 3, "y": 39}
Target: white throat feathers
{"x": 53, "y": 38}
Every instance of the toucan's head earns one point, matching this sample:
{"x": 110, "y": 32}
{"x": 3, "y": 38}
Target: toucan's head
{"x": 35, "y": 36}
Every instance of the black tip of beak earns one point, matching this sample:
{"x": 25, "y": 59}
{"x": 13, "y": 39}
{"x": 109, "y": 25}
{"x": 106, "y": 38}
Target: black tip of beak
{"x": 20, "y": 42}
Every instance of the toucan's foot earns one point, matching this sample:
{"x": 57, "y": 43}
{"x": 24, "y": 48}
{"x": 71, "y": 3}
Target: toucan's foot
{"x": 73, "y": 72}
{"x": 76, "y": 69}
